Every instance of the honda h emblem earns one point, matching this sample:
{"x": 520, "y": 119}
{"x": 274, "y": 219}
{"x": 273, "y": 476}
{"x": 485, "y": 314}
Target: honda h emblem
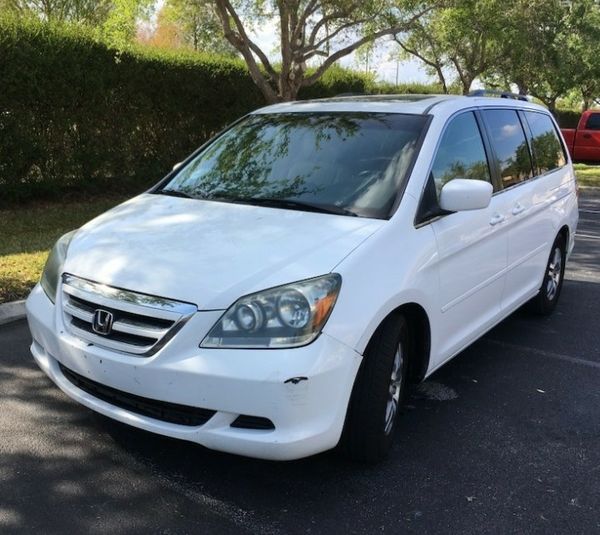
{"x": 102, "y": 323}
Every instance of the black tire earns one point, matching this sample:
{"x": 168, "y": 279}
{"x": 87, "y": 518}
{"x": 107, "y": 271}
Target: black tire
{"x": 546, "y": 300}
{"x": 366, "y": 436}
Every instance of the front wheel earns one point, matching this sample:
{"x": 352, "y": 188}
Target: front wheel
{"x": 546, "y": 300}
{"x": 378, "y": 393}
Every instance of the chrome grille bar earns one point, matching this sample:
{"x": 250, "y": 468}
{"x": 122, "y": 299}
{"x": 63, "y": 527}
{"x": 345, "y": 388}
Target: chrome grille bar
{"x": 139, "y": 330}
{"x": 141, "y": 324}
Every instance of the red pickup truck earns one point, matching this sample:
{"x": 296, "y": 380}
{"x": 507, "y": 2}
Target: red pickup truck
{"x": 584, "y": 141}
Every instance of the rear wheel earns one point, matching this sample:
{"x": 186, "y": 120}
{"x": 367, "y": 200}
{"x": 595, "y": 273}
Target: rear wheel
{"x": 547, "y": 298}
{"x": 378, "y": 393}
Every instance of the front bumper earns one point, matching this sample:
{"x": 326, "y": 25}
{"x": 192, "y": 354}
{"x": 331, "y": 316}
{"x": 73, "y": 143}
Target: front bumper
{"x": 308, "y": 415}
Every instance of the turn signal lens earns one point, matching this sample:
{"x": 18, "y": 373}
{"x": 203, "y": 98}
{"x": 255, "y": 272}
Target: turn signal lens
{"x": 54, "y": 264}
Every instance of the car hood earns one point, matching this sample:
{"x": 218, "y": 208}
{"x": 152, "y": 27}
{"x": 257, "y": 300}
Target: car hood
{"x": 209, "y": 253}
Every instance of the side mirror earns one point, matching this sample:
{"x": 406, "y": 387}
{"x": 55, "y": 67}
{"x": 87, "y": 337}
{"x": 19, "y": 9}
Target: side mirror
{"x": 177, "y": 166}
{"x": 461, "y": 194}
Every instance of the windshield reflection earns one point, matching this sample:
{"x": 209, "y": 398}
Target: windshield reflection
{"x": 352, "y": 161}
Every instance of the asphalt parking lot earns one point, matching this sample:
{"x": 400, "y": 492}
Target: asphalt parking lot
{"x": 504, "y": 439}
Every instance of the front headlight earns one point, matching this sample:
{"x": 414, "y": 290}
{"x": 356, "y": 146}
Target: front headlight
{"x": 54, "y": 265}
{"x": 287, "y": 316}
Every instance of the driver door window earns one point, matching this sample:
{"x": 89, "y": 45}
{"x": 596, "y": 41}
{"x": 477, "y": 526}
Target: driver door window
{"x": 461, "y": 153}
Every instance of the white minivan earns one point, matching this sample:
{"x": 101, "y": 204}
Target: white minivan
{"x": 277, "y": 292}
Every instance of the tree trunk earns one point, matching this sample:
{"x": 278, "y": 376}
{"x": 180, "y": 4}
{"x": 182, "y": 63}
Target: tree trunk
{"x": 587, "y": 102}
{"x": 465, "y": 78}
{"x": 442, "y": 79}
{"x": 297, "y": 49}
{"x": 522, "y": 88}
{"x": 466, "y": 83}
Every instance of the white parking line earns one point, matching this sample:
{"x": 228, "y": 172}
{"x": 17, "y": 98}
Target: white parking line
{"x": 542, "y": 353}
{"x": 587, "y": 236}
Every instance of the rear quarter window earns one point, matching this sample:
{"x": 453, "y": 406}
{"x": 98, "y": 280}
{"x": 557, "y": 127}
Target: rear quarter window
{"x": 547, "y": 149}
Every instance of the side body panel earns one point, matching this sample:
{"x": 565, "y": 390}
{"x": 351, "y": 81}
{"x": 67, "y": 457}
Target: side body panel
{"x": 456, "y": 267}
{"x": 472, "y": 261}
{"x": 535, "y": 210}
{"x": 395, "y": 266}
{"x": 583, "y": 142}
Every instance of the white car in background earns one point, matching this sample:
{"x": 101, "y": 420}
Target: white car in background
{"x": 273, "y": 295}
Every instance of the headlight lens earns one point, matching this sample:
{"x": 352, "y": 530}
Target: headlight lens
{"x": 54, "y": 265}
{"x": 286, "y": 316}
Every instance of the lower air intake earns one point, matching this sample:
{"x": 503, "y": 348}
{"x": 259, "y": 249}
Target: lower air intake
{"x": 159, "y": 410}
{"x": 243, "y": 421}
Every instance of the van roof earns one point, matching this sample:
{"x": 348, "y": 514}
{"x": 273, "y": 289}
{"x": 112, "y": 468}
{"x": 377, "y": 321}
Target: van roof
{"x": 413, "y": 104}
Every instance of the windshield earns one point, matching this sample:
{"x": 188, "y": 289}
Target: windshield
{"x": 348, "y": 163}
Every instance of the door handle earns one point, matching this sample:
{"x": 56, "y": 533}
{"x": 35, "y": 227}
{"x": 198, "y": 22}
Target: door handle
{"x": 587, "y": 136}
{"x": 497, "y": 218}
{"x": 518, "y": 208}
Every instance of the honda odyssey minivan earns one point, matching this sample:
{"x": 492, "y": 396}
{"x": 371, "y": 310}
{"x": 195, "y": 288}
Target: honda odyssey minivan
{"x": 277, "y": 292}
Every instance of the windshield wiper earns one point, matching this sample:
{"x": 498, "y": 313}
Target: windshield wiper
{"x": 291, "y": 205}
{"x": 173, "y": 193}
{"x": 268, "y": 201}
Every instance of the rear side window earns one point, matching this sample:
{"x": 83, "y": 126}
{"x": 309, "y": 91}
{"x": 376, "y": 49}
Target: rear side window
{"x": 510, "y": 146}
{"x": 593, "y": 122}
{"x": 461, "y": 153}
{"x": 547, "y": 149}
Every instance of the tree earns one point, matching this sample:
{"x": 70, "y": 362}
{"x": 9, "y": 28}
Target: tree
{"x": 115, "y": 20}
{"x": 551, "y": 48}
{"x": 166, "y": 33}
{"x": 585, "y": 44}
{"x": 89, "y": 11}
{"x": 535, "y": 58}
{"x": 463, "y": 37}
{"x": 120, "y": 25}
{"x": 423, "y": 43}
{"x": 193, "y": 24}
{"x": 471, "y": 33}
{"x": 309, "y": 29}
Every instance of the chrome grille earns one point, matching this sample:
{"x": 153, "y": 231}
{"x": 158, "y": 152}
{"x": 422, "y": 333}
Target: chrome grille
{"x": 140, "y": 324}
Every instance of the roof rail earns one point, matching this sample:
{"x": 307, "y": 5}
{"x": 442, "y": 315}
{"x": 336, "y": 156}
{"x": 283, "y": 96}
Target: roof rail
{"x": 495, "y": 93}
{"x": 350, "y": 94}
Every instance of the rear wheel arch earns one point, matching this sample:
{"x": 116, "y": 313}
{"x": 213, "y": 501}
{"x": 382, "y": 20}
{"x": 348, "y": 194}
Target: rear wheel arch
{"x": 549, "y": 292}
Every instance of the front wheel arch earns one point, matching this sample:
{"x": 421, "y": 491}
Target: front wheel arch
{"x": 420, "y": 331}
{"x": 565, "y": 233}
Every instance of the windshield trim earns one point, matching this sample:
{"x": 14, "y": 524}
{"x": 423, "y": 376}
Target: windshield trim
{"x": 411, "y": 165}
{"x": 401, "y": 186}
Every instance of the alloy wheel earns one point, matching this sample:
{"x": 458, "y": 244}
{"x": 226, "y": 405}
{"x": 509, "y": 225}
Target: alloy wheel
{"x": 394, "y": 390}
{"x": 554, "y": 274}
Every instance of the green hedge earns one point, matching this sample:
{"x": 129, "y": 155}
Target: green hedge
{"x": 567, "y": 118}
{"x": 76, "y": 115}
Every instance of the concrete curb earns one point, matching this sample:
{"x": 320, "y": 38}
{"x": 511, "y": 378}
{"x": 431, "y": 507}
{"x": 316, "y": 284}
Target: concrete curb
{"x": 12, "y": 311}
